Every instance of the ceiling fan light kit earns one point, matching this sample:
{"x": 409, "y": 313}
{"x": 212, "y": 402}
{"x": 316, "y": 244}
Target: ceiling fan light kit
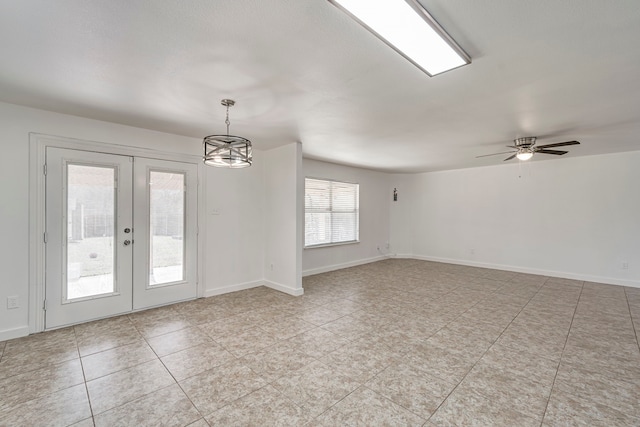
{"x": 227, "y": 151}
{"x": 524, "y": 155}
{"x": 525, "y": 148}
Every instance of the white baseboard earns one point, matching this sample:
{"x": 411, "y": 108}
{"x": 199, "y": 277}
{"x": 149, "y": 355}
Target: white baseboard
{"x": 232, "y": 288}
{"x": 528, "y": 270}
{"x": 296, "y": 292}
{"x": 409, "y": 256}
{"x": 9, "y": 334}
{"x": 248, "y": 285}
{"x": 333, "y": 267}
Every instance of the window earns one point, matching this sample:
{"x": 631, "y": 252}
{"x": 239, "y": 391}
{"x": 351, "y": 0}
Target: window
{"x": 331, "y": 212}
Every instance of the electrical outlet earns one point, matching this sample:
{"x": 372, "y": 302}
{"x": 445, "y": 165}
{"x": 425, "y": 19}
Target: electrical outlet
{"x": 12, "y": 302}
{"x": 378, "y": 247}
{"x": 472, "y": 251}
{"x": 271, "y": 266}
{"x": 625, "y": 265}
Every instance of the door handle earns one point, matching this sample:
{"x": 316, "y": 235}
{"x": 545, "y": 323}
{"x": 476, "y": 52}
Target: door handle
{"x": 127, "y": 230}
{"x": 127, "y": 242}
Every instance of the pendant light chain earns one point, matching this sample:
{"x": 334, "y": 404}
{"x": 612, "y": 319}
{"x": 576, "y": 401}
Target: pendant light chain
{"x": 227, "y": 120}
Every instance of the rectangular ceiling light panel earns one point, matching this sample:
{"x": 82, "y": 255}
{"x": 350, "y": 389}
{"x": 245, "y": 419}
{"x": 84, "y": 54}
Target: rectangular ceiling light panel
{"x": 409, "y": 29}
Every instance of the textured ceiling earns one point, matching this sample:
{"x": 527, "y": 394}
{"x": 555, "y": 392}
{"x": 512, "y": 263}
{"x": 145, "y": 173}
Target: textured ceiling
{"x": 301, "y": 70}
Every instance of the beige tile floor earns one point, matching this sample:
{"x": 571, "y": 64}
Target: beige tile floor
{"x": 397, "y": 342}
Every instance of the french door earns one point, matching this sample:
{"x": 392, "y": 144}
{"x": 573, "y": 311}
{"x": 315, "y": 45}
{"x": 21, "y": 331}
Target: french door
{"x": 120, "y": 234}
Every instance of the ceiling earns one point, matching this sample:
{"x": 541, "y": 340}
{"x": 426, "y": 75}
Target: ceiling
{"x": 301, "y": 70}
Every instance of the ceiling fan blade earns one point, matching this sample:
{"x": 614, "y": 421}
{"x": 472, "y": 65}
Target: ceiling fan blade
{"x": 556, "y": 152}
{"x": 510, "y": 157}
{"x": 559, "y": 144}
{"x": 494, "y": 154}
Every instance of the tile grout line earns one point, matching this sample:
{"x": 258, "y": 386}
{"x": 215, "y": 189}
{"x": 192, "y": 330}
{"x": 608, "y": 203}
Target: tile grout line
{"x": 361, "y": 384}
{"x": 165, "y": 367}
{"x": 324, "y": 364}
{"x": 488, "y": 348}
{"x": 633, "y": 325}
{"x": 561, "y": 354}
{"x": 84, "y": 377}
{"x": 236, "y": 358}
{"x": 426, "y": 420}
{"x": 335, "y": 403}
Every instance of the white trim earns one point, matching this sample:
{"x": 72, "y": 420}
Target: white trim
{"x": 528, "y": 270}
{"x": 333, "y": 267}
{"x": 339, "y": 181}
{"x": 327, "y": 245}
{"x": 110, "y": 148}
{"x": 201, "y": 231}
{"x": 9, "y": 334}
{"x": 36, "y": 234}
{"x": 296, "y": 292}
{"x": 232, "y": 288}
{"x": 400, "y": 256}
{"x": 37, "y": 155}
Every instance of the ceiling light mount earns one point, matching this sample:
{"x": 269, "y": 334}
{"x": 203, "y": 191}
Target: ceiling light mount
{"x": 525, "y": 142}
{"x": 228, "y": 102}
{"x": 227, "y": 151}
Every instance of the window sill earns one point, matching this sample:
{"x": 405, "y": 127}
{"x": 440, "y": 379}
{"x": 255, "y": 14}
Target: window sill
{"x": 326, "y": 245}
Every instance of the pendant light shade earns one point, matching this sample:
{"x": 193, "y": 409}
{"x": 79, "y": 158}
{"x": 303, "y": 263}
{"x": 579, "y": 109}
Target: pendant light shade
{"x": 227, "y": 151}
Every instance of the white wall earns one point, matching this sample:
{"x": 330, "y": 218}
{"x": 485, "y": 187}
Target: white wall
{"x": 234, "y": 228}
{"x": 402, "y": 215}
{"x": 234, "y": 256}
{"x": 375, "y": 200}
{"x": 571, "y": 217}
{"x": 282, "y": 218}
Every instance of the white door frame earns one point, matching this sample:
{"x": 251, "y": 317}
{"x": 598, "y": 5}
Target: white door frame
{"x": 37, "y": 156}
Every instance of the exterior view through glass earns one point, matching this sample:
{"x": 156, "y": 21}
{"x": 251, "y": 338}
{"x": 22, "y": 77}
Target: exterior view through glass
{"x": 90, "y": 222}
{"x": 166, "y": 222}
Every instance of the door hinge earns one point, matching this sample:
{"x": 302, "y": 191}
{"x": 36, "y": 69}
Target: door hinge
{"x": 44, "y": 305}
{"x": 45, "y": 237}
{"x": 44, "y": 169}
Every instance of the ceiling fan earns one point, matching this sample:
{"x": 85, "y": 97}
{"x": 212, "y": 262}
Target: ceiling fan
{"x": 525, "y": 148}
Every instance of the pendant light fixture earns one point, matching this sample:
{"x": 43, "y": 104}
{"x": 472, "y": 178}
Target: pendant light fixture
{"x": 227, "y": 151}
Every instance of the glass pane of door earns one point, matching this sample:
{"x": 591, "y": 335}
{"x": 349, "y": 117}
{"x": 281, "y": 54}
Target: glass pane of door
{"x": 167, "y": 219}
{"x": 90, "y": 230}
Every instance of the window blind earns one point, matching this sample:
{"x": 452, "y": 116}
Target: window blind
{"x": 331, "y": 212}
